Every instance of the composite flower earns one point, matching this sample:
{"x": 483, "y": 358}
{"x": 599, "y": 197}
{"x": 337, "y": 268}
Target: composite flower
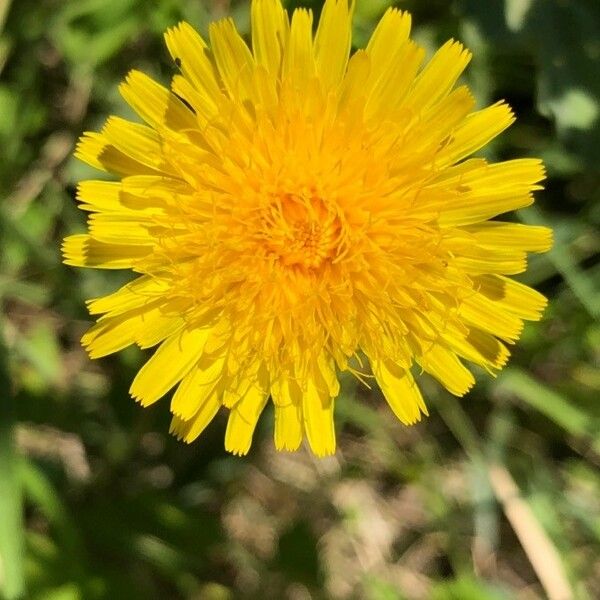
{"x": 290, "y": 211}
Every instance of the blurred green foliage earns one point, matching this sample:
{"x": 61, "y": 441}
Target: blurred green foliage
{"x": 115, "y": 508}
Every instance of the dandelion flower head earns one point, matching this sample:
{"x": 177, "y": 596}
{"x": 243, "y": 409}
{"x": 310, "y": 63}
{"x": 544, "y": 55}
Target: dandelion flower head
{"x": 291, "y": 211}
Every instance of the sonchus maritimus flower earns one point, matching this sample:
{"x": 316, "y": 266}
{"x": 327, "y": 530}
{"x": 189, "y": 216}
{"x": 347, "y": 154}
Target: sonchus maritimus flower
{"x": 291, "y": 212}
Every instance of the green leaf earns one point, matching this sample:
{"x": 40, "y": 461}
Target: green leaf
{"x": 568, "y": 85}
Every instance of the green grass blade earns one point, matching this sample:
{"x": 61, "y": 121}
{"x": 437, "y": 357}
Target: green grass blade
{"x": 4, "y": 6}
{"x": 12, "y": 581}
{"x": 550, "y": 403}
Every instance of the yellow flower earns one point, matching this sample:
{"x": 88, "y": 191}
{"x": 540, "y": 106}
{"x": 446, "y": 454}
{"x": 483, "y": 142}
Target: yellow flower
{"x": 292, "y": 213}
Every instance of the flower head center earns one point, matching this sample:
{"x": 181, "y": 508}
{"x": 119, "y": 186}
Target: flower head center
{"x": 301, "y": 230}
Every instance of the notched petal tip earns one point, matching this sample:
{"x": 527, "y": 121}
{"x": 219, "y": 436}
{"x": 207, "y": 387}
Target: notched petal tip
{"x": 176, "y": 428}
{"x": 324, "y": 452}
{"x": 72, "y": 248}
{"x": 287, "y": 447}
{"x": 233, "y": 446}
{"x": 177, "y": 29}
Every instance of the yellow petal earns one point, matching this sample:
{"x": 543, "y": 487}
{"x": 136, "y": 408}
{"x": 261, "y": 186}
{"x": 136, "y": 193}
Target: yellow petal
{"x": 497, "y": 234}
{"x": 190, "y": 51}
{"x": 146, "y": 193}
{"x": 387, "y": 40}
{"x": 169, "y": 364}
{"x": 476, "y": 131}
{"x": 234, "y": 59}
{"x": 389, "y": 90}
{"x": 196, "y": 386}
{"x": 114, "y": 332}
{"x": 433, "y": 128}
{"x": 151, "y": 191}
{"x": 130, "y": 296}
{"x": 333, "y": 41}
{"x": 98, "y": 195}
{"x": 239, "y": 386}
{"x": 205, "y": 111}
{"x": 139, "y": 142}
{"x": 388, "y": 48}
{"x": 447, "y": 369}
{"x": 478, "y": 347}
{"x": 288, "y": 427}
{"x": 515, "y": 297}
{"x": 484, "y": 192}
{"x": 299, "y": 60}
{"x": 443, "y": 118}
{"x": 156, "y": 104}
{"x": 243, "y": 419}
{"x": 285, "y": 391}
{"x": 83, "y": 251}
{"x": 439, "y": 76}
{"x": 265, "y": 90}
{"x": 191, "y": 429}
{"x": 400, "y": 391}
{"x": 478, "y": 260}
{"x": 110, "y": 336}
{"x": 326, "y": 369}
{"x": 240, "y": 378}
{"x": 131, "y": 229}
{"x": 270, "y": 31}
{"x": 317, "y": 406}
{"x": 353, "y": 89}
{"x": 95, "y": 150}
{"x": 453, "y": 176}
{"x": 159, "y": 328}
{"x": 491, "y": 316}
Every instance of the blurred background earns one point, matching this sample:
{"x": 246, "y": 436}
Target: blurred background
{"x": 495, "y": 496}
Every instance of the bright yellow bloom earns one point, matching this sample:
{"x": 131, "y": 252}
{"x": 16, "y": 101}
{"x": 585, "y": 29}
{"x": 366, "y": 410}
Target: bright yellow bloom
{"x": 293, "y": 213}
